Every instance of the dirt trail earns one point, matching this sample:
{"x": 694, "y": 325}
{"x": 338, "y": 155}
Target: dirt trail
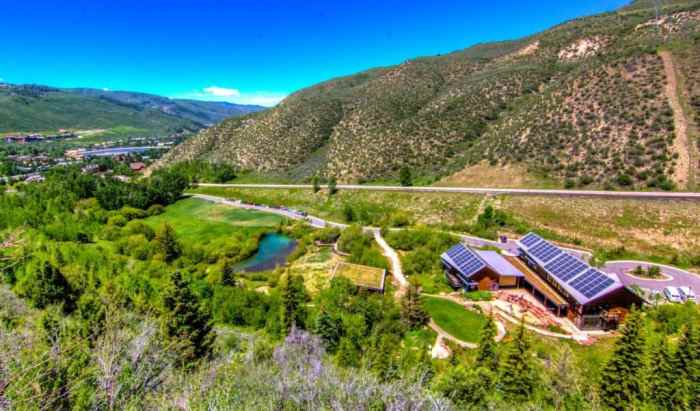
{"x": 681, "y": 145}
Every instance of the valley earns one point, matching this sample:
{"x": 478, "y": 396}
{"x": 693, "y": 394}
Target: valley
{"x": 510, "y": 226}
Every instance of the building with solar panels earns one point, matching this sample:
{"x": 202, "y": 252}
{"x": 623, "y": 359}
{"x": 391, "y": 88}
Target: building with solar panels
{"x": 594, "y": 300}
{"x": 473, "y": 269}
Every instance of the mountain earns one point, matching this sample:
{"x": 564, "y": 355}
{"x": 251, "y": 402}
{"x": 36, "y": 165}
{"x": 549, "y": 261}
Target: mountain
{"x": 37, "y": 108}
{"x": 584, "y": 103}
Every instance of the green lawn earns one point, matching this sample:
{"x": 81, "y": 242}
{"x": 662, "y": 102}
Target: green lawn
{"x": 201, "y": 221}
{"x": 455, "y": 319}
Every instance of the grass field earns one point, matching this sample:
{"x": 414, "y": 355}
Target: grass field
{"x": 201, "y": 221}
{"x": 455, "y": 319}
{"x": 361, "y": 275}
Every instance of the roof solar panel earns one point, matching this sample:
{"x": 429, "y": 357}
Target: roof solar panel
{"x": 466, "y": 261}
{"x": 545, "y": 251}
{"x": 530, "y": 240}
{"x": 591, "y": 282}
{"x": 565, "y": 267}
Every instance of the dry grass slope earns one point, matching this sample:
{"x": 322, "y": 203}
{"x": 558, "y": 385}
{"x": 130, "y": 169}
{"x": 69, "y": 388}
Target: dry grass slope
{"x": 583, "y": 102}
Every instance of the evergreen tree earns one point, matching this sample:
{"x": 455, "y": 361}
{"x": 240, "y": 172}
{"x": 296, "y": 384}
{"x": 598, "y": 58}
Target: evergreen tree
{"x": 517, "y": 381}
{"x": 621, "y": 378}
{"x": 167, "y": 242}
{"x": 228, "y": 273}
{"x": 666, "y": 389}
{"x": 329, "y": 329}
{"x": 332, "y": 186}
{"x": 44, "y": 284}
{"x": 486, "y": 355}
{"x": 316, "y": 184}
{"x": 405, "y": 176}
{"x": 293, "y": 303}
{"x": 185, "y": 322}
{"x": 688, "y": 362}
{"x": 412, "y": 313}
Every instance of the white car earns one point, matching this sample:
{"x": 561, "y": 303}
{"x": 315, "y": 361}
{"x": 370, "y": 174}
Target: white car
{"x": 688, "y": 294}
{"x": 673, "y": 295}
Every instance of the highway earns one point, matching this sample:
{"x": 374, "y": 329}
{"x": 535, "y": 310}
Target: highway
{"x": 640, "y": 195}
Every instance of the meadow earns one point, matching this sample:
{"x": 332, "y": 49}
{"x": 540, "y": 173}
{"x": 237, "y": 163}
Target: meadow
{"x": 201, "y": 222}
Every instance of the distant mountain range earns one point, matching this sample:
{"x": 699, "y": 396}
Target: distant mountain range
{"x": 610, "y": 100}
{"x": 37, "y": 108}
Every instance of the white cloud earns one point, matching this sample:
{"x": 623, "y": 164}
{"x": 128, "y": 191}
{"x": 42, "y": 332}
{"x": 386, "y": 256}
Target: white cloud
{"x": 222, "y": 91}
{"x": 231, "y": 95}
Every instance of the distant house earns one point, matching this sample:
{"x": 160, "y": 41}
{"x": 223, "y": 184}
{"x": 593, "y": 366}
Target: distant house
{"x": 137, "y": 167}
{"x": 473, "y": 269}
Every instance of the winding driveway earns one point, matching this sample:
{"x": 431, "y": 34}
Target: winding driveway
{"x": 678, "y": 277}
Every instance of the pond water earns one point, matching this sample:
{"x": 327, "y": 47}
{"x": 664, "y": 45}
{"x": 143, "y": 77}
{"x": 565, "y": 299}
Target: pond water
{"x": 273, "y": 250}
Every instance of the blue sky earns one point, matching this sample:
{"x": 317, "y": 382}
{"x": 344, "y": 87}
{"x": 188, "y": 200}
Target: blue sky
{"x": 254, "y": 51}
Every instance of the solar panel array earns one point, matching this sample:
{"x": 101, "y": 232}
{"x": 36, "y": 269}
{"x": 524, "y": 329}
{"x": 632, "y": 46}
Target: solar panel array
{"x": 591, "y": 282}
{"x": 565, "y": 267}
{"x": 545, "y": 251}
{"x": 467, "y": 262}
{"x": 530, "y": 240}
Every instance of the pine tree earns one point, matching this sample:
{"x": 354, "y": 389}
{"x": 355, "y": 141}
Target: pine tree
{"x": 663, "y": 378}
{"x": 44, "y": 284}
{"x": 167, "y": 242}
{"x": 405, "y": 176}
{"x": 316, "y": 184}
{"x": 517, "y": 381}
{"x": 332, "y": 186}
{"x": 228, "y": 273}
{"x": 486, "y": 355}
{"x": 412, "y": 312}
{"x": 688, "y": 362}
{"x": 329, "y": 329}
{"x": 621, "y": 382}
{"x": 185, "y": 322}
{"x": 293, "y": 303}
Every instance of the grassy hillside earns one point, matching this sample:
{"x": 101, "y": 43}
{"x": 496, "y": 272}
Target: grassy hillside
{"x": 584, "y": 103}
{"x": 40, "y": 108}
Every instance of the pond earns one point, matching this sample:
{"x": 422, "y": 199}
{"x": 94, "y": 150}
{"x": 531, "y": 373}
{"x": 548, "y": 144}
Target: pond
{"x": 273, "y": 250}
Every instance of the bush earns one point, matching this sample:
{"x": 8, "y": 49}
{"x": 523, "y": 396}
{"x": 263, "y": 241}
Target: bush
{"x": 154, "y": 210}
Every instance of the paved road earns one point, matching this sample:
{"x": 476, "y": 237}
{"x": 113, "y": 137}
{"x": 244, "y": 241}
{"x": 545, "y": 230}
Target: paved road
{"x": 678, "y": 277}
{"x": 654, "y": 195}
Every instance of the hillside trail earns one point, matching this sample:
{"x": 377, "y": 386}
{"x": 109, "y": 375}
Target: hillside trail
{"x": 681, "y": 143}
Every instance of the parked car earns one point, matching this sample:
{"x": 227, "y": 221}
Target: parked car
{"x": 673, "y": 295}
{"x": 688, "y": 294}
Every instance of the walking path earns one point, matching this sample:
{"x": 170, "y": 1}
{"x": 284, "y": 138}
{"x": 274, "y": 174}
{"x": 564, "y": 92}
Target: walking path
{"x": 396, "y": 269}
{"x": 657, "y": 195}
